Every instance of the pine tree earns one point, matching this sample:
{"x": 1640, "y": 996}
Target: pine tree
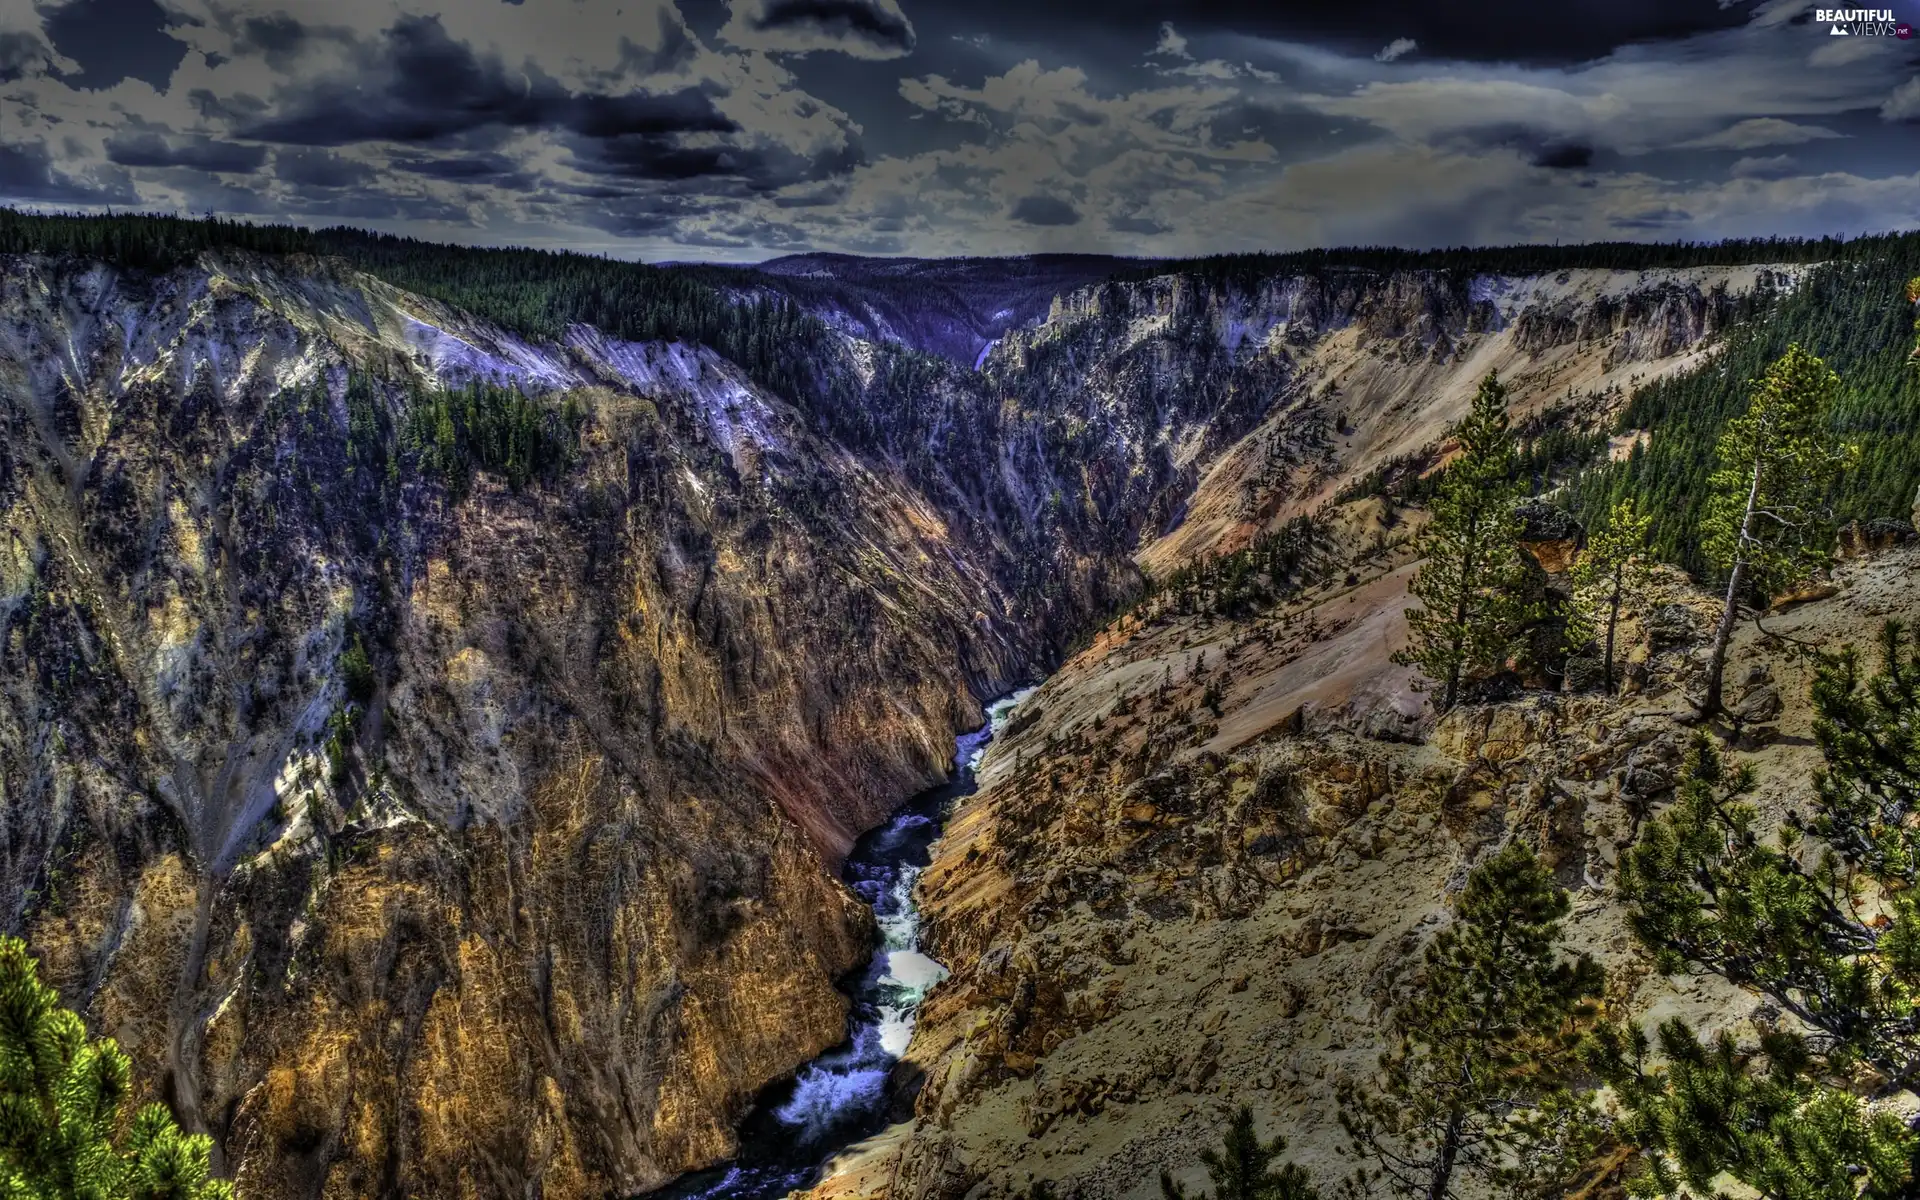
{"x": 1613, "y": 573}
{"x": 1705, "y": 890}
{"x": 1242, "y": 1169}
{"x": 60, "y": 1099}
{"x": 1821, "y": 919}
{"x": 1471, "y": 611}
{"x": 1766, "y": 524}
{"x": 1704, "y": 1111}
{"x": 1479, "y": 1083}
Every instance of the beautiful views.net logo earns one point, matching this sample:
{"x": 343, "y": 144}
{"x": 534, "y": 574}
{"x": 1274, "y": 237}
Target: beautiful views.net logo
{"x": 1861, "y": 22}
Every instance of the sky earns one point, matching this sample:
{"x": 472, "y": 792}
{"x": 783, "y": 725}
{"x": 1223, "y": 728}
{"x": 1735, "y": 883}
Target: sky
{"x": 740, "y": 130}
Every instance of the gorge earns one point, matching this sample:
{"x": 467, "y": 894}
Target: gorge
{"x": 440, "y": 730}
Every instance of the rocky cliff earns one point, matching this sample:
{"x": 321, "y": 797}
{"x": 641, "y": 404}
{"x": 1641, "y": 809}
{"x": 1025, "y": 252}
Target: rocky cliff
{"x": 418, "y": 842}
{"x": 470, "y": 835}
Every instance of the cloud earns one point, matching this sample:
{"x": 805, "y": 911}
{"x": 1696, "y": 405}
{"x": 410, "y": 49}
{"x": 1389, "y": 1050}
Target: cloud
{"x": 1755, "y": 132}
{"x": 1044, "y": 210}
{"x": 149, "y": 149}
{"x": 611, "y": 124}
{"x": 1171, "y": 44}
{"x": 871, "y": 29}
{"x": 309, "y": 167}
{"x": 1565, "y": 156}
{"x": 1904, "y": 103}
{"x": 1396, "y": 49}
{"x": 1776, "y": 166}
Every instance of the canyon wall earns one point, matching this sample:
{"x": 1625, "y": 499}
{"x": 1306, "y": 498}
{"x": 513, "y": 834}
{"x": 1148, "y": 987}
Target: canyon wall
{"x": 438, "y": 838}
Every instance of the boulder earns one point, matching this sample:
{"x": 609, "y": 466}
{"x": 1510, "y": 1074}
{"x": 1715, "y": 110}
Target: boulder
{"x": 1585, "y": 673}
{"x": 1550, "y": 535}
{"x": 1859, "y": 539}
{"x": 1670, "y": 625}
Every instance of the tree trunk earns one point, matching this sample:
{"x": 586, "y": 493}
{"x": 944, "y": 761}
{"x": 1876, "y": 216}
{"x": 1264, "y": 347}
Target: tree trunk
{"x": 1613, "y": 620}
{"x": 1459, "y": 649}
{"x": 1717, "y": 663}
{"x": 1442, "y": 1177}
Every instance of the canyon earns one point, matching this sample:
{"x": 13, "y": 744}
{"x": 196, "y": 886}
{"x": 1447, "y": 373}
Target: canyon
{"x": 470, "y": 838}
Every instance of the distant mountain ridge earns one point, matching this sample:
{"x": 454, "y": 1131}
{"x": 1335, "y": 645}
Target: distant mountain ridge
{"x": 951, "y": 307}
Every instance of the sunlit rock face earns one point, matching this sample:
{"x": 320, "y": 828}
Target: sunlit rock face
{"x": 562, "y": 899}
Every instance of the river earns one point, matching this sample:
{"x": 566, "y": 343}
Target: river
{"x": 843, "y": 1095}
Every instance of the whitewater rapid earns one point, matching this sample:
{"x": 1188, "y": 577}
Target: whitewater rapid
{"x": 842, "y": 1096}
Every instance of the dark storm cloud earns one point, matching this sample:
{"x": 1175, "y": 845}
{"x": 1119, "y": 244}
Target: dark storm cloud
{"x": 27, "y": 172}
{"x": 1654, "y": 219}
{"x": 661, "y": 157}
{"x": 150, "y": 149}
{"x": 1564, "y": 156}
{"x": 987, "y": 126}
{"x": 114, "y": 40}
{"x": 278, "y": 37}
{"x": 863, "y": 20}
{"x": 423, "y": 87}
{"x": 870, "y": 29}
{"x": 314, "y": 168}
{"x": 465, "y": 168}
{"x": 419, "y": 86}
{"x": 1045, "y": 210}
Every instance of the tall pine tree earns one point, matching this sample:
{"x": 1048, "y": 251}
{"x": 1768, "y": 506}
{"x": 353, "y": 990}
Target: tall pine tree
{"x": 1471, "y": 607}
{"x": 1478, "y": 1086}
{"x": 1767, "y": 525}
{"x": 1611, "y": 575}
{"x": 60, "y": 1102}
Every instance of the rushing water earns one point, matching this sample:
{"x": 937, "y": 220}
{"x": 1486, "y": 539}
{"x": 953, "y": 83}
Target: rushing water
{"x": 843, "y": 1095}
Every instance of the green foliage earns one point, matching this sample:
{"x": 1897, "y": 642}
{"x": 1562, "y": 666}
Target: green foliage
{"x": 1243, "y": 1168}
{"x": 1822, "y": 920}
{"x": 484, "y": 426}
{"x": 356, "y": 671}
{"x": 1869, "y": 731}
{"x": 1707, "y": 1110}
{"x": 1853, "y": 313}
{"x": 60, "y": 1100}
{"x": 1464, "y": 262}
{"x": 1611, "y": 576}
{"x": 1774, "y": 466}
{"x": 1549, "y": 445}
{"x": 1825, "y": 925}
{"x": 1250, "y": 579}
{"x": 1479, "y": 1082}
{"x": 1766, "y": 522}
{"x": 1472, "y": 606}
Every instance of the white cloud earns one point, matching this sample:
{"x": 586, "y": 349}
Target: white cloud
{"x": 1904, "y": 103}
{"x": 1755, "y": 132}
{"x": 1774, "y": 166}
{"x": 1396, "y": 49}
{"x": 1171, "y": 44}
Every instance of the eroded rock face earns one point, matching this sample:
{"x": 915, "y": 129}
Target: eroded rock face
{"x": 546, "y": 902}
